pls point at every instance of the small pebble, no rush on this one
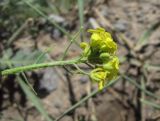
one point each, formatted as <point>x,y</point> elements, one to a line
<point>49,80</point>
<point>84,79</point>
<point>121,25</point>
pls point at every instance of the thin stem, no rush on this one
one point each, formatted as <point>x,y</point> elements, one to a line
<point>71,42</point>
<point>46,17</point>
<point>80,70</point>
<point>153,104</point>
<point>138,86</point>
<point>17,32</point>
<point>143,107</point>
<point>41,65</point>
<point>81,18</point>
<point>41,56</point>
<point>84,99</point>
<point>29,93</point>
<point>27,82</point>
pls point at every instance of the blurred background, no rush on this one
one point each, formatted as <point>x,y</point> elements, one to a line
<point>36,31</point>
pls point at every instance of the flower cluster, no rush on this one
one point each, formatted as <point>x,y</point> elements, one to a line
<point>101,52</point>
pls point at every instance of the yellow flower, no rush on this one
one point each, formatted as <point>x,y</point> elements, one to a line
<point>102,41</point>
<point>86,49</point>
<point>99,75</point>
<point>109,46</point>
<point>112,68</point>
<point>101,52</point>
<point>109,71</point>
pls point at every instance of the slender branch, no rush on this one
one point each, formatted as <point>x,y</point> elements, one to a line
<point>84,99</point>
<point>46,17</point>
<point>139,87</point>
<point>41,65</point>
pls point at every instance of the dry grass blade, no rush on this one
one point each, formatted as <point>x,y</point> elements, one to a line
<point>18,32</point>
<point>152,67</point>
<point>36,102</point>
<point>139,87</point>
<point>150,103</point>
<point>30,94</point>
<point>143,39</point>
<point>46,17</point>
<point>81,7</point>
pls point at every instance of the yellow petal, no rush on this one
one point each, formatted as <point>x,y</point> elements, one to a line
<point>96,30</point>
<point>101,85</point>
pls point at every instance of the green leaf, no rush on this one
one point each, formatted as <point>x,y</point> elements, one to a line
<point>29,92</point>
<point>34,99</point>
<point>23,57</point>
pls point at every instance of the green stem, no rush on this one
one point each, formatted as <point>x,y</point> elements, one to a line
<point>17,32</point>
<point>45,16</point>
<point>139,87</point>
<point>41,65</point>
<point>150,103</point>
<point>84,99</point>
